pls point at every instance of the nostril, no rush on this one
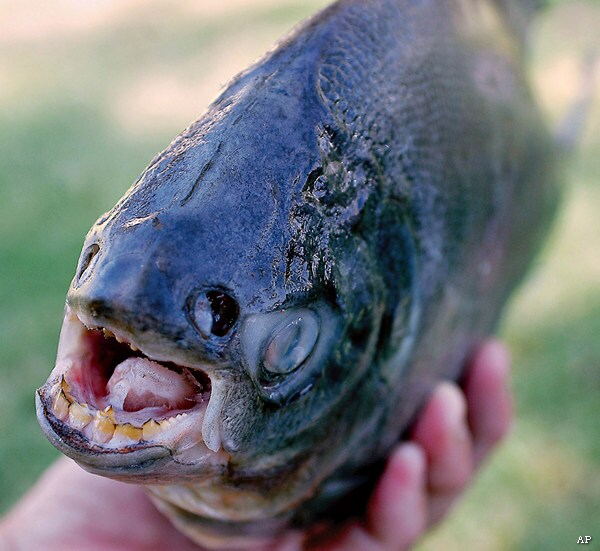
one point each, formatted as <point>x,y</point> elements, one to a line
<point>86,260</point>
<point>96,308</point>
<point>214,312</point>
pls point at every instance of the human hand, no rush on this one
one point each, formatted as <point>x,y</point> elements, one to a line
<point>70,508</point>
<point>424,476</point>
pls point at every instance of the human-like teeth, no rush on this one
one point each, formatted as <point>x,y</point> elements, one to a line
<point>125,435</point>
<point>79,416</point>
<point>102,428</point>
<point>110,413</point>
<point>60,406</point>
<point>150,429</point>
<point>107,333</point>
<point>65,386</point>
<point>55,389</point>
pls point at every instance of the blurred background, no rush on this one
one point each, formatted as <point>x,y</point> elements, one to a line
<point>90,90</point>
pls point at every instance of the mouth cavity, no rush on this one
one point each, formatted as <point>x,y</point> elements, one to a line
<point>118,398</point>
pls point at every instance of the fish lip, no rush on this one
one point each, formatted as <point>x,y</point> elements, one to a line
<point>145,458</point>
<point>148,463</point>
<point>93,457</point>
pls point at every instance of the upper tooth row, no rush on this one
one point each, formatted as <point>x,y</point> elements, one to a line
<point>109,334</point>
<point>101,426</point>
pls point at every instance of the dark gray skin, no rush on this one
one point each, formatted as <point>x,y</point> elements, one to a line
<point>385,168</point>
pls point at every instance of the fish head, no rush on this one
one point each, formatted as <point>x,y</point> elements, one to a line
<point>220,331</point>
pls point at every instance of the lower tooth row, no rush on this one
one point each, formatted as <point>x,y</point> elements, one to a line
<point>100,425</point>
<point>61,406</point>
<point>79,416</point>
<point>102,428</point>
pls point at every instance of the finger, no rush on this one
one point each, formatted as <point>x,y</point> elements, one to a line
<point>443,433</point>
<point>397,512</point>
<point>488,397</point>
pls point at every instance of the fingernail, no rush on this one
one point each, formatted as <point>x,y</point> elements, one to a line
<point>453,405</point>
<point>410,457</point>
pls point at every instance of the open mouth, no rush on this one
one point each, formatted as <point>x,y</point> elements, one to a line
<point>107,395</point>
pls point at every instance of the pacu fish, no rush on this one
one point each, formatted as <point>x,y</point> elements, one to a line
<point>255,324</point>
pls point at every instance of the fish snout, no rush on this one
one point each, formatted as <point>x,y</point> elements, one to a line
<point>133,294</point>
<point>122,290</point>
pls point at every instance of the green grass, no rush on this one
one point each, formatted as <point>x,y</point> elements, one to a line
<point>82,113</point>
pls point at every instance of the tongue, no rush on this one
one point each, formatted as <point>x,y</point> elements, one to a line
<point>139,383</point>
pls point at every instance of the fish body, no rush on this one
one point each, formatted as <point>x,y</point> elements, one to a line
<point>257,321</point>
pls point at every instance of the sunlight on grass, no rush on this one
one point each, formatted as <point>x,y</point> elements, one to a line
<point>533,476</point>
<point>567,275</point>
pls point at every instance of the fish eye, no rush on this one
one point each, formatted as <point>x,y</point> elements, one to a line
<point>291,345</point>
<point>215,312</point>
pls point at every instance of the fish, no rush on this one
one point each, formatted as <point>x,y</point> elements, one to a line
<point>258,320</point>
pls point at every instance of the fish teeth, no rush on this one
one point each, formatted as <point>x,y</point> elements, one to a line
<point>60,406</point>
<point>125,435</point>
<point>167,423</point>
<point>55,389</point>
<point>150,429</point>
<point>64,385</point>
<point>108,334</point>
<point>103,428</point>
<point>79,416</point>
